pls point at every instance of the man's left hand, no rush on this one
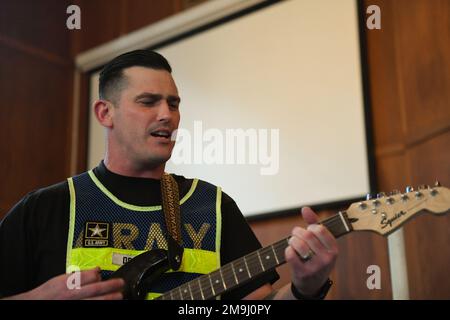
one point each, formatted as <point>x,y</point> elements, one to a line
<point>311,255</point>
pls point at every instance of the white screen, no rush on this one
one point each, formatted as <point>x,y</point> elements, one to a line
<point>292,67</point>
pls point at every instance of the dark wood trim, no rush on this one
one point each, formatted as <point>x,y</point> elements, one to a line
<point>400,148</point>
<point>83,124</point>
<point>431,132</point>
<point>124,17</point>
<point>390,150</point>
<point>36,52</point>
<point>365,78</point>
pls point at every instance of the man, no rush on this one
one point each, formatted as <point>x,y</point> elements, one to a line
<point>106,216</point>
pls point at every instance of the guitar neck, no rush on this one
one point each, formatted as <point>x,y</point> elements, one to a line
<point>248,267</point>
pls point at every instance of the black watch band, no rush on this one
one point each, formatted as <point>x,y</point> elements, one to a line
<point>319,296</point>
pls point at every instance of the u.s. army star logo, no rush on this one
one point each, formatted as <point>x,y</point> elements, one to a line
<point>96,234</point>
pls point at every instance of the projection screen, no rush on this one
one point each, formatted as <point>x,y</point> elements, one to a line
<point>272,107</point>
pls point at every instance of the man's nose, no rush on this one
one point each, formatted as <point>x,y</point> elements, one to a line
<point>164,112</point>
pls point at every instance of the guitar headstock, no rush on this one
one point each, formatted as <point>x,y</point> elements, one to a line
<point>386,213</point>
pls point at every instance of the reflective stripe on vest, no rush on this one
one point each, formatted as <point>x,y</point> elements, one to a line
<point>91,202</point>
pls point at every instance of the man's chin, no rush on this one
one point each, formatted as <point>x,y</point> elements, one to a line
<point>157,160</point>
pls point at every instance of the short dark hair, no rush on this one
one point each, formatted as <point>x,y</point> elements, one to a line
<point>112,80</point>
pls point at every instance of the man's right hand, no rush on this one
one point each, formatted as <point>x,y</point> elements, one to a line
<point>91,287</point>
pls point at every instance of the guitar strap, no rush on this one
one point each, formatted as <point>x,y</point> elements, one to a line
<point>171,208</point>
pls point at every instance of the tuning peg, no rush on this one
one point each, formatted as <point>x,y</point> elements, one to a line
<point>390,200</point>
<point>394,192</point>
<point>404,197</point>
<point>437,184</point>
<point>381,195</point>
<point>423,187</point>
<point>418,194</point>
<point>362,205</point>
<point>409,189</point>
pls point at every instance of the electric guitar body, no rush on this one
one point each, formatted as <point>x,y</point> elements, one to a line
<point>139,275</point>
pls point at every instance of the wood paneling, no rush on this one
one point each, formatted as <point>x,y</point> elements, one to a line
<point>422,37</point>
<point>83,128</point>
<point>427,237</point>
<point>105,20</point>
<point>35,86</point>
<point>34,125</point>
<point>388,128</point>
<point>423,59</point>
<point>141,13</point>
<point>101,21</point>
<point>431,160</point>
<point>358,251</point>
<point>39,24</point>
<point>409,63</point>
<point>392,172</point>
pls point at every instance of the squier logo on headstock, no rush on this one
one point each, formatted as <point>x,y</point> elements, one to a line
<point>387,213</point>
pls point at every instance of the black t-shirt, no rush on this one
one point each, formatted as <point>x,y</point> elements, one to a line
<point>33,235</point>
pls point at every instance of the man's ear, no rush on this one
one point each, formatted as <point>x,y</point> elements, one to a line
<point>104,111</point>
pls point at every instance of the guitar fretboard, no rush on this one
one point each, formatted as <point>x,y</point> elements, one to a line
<point>248,267</point>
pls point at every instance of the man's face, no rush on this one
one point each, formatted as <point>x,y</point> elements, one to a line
<point>145,116</point>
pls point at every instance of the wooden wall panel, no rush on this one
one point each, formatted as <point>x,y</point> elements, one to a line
<point>409,64</point>
<point>422,36</point>
<point>427,237</point>
<point>39,24</point>
<point>423,59</point>
<point>358,251</point>
<point>101,21</point>
<point>35,86</point>
<point>388,128</point>
<point>392,172</point>
<point>141,13</point>
<point>34,124</point>
<point>431,160</point>
<point>105,20</point>
<point>84,114</point>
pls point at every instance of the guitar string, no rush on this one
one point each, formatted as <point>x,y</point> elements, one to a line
<point>228,276</point>
<point>202,286</point>
<point>227,270</point>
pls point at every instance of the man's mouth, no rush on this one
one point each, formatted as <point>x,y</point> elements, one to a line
<point>162,133</point>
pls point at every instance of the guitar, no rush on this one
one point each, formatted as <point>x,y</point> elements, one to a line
<point>382,215</point>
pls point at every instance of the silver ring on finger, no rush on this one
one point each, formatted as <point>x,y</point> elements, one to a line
<point>307,256</point>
